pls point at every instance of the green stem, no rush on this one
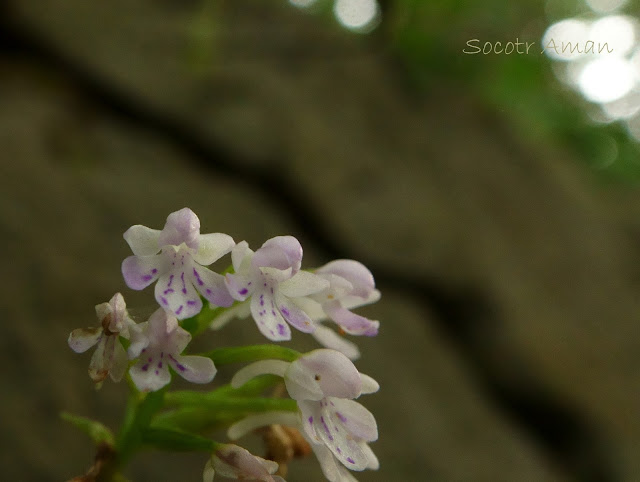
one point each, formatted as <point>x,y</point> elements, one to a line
<point>137,418</point>
<point>239,404</point>
<point>223,356</point>
<point>177,440</point>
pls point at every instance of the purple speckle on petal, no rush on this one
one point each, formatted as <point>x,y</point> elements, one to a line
<point>310,420</point>
<point>271,290</point>
<point>170,281</point>
<point>178,365</point>
<point>195,273</point>
<point>150,360</point>
<point>243,291</point>
<point>159,364</point>
<point>184,286</point>
<point>145,368</point>
<point>179,310</point>
<point>191,302</point>
<point>273,312</point>
<point>281,329</point>
<point>154,271</point>
<point>167,291</point>
<point>164,300</point>
<point>326,428</point>
<point>350,460</point>
<point>208,291</point>
<point>342,418</point>
<point>339,450</point>
<point>146,277</point>
<point>284,311</point>
<point>157,372</point>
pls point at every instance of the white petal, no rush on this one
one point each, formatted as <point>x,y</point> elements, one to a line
<point>252,422</point>
<point>282,252</point>
<point>350,322</point>
<point>103,310</point>
<point>359,421</point>
<point>330,339</point>
<point>182,226</point>
<point>374,463</point>
<point>302,384</point>
<point>331,468</point>
<point>118,313</point>
<point>175,292</point>
<point>354,272</point>
<point>309,413</point>
<point>239,286</point>
<point>273,367</point>
<point>81,339</point>
<point>303,283</point>
<point>238,463</point>
<point>350,302</point>
<point>294,315</point>
<point>275,274</point>
<point>369,385</point>
<point>151,378</point>
<point>159,326</point>
<point>213,247</point>
<point>120,362</point>
<point>196,369</point>
<point>142,240</point>
<point>241,256</point>
<point>310,307</point>
<point>139,339</point>
<point>241,311</point>
<point>345,448</point>
<point>102,359</point>
<point>208,472</point>
<point>331,371</point>
<point>211,285</point>
<point>140,271</point>
<point>266,315</point>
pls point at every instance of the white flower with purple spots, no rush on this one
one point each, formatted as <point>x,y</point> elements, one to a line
<point>236,462</point>
<point>109,357</point>
<point>324,382</point>
<point>350,285</point>
<point>158,344</point>
<point>176,257</point>
<point>271,277</point>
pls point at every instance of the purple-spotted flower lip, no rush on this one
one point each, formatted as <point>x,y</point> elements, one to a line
<point>158,344</point>
<point>351,285</point>
<point>270,277</point>
<point>109,358</point>
<point>176,257</point>
<point>323,382</point>
<point>236,462</point>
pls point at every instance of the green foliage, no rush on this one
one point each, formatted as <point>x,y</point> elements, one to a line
<point>95,430</point>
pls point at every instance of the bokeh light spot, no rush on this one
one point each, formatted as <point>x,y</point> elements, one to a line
<point>560,39</point>
<point>605,6</point>
<point>606,79</point>
<point>356,14</point>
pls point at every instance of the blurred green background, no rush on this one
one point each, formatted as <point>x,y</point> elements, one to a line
<point>495,197</point>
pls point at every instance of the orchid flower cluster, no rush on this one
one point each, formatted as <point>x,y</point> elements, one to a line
<point>312,404</point>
